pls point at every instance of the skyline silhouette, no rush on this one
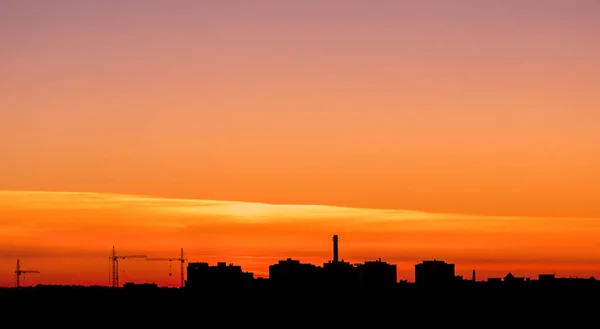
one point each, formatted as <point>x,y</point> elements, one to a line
<point>295,272</point>
<point>312,163</point>
<point>73,229</point>
<point>367,292</point>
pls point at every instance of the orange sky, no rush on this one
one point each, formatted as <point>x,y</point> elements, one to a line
<point>482,108</point>
<point>68,237</point>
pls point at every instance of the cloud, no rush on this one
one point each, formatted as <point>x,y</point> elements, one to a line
<point>233,210</point>
<point>35,212</point>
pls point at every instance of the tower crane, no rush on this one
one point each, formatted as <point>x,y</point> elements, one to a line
<point>180,259</point>
<point>19,272</point>
<point>115,265</point>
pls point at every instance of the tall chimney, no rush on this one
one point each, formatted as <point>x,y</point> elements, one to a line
<point>473,275</point>
<point>335,248</point>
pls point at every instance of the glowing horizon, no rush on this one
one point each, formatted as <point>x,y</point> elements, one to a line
<point>74,228</point>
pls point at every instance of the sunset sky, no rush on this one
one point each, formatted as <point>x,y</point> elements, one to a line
<point>252,131</point>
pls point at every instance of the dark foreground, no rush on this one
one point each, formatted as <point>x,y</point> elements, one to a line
<point>271,306</point>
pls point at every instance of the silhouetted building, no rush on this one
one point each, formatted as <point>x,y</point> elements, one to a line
<point>434,272</point>
<point>546,277</point>
<point>378,273</point>
<point>140,286</point>
<point>293,272</point>
<point>513,279</point>
<point>339,273</point>
<point>221,275</point>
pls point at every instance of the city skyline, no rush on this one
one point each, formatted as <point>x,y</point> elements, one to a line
<point>294,272</point>
<point>73,230</point>
<point>250,131</point>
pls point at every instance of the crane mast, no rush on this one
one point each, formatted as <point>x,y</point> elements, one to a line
<point>115,265</point>
<point>19,272</point>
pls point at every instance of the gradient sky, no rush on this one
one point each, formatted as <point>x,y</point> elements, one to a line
<point>487,109</point>
<point>68,236</point>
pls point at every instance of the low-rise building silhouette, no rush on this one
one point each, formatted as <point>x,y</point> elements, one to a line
<point>293,272</point>
<point>221,275</point>
<point>510,278</point>
<point>434,272</point>
<point>140,286</point>
<point>546,277</point>
<point>378,273</point>
<point>340,273</point>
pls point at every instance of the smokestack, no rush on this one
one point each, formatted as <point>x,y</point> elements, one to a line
<point>473,275</point>
<point>335,248</point>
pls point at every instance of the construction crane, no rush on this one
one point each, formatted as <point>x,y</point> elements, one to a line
<point>115,265</point>
<point>19,272</point>
<point>180,259</point>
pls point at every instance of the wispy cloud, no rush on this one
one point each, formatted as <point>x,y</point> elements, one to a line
<point>234,210</point>
<point>80,210</point>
